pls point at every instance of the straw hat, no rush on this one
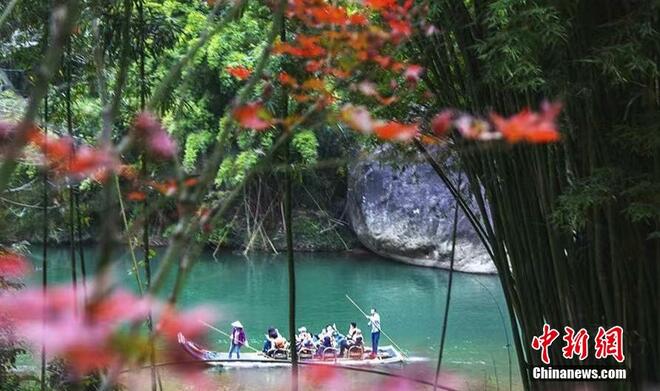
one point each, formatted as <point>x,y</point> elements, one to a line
<point>237,324</point>
<point>302,329</point>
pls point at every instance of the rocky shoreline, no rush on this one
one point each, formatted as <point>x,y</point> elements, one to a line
<point>402,210</point>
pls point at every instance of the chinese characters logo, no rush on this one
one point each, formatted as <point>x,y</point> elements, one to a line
<point>607,343</point>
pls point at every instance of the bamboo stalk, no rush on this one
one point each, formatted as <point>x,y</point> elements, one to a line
<point>44,238</point>
<point>131,245</point>
<point>448,301</point>
<point>288,224</point>
<point>69,127</point>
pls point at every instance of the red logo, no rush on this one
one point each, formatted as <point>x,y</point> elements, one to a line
<point>543,342</point>
<point>608,343</point>
<point>576,343</point>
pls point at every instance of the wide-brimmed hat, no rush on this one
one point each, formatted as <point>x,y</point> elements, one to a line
<point>302,329</point>
<point>237,324</point>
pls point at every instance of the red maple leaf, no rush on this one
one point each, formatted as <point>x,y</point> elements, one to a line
<point>239,72</point>
<point>396,131</point>
<point>529,126</point>
<point>252,116</point>
<point>441,123</point>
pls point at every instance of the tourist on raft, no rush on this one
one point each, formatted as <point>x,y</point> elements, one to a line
<point>326,339</point>
<point>237,339</point>
<point>353,338</point>
<point>338,337</point>
<point>274,341</point>
<point>304,339</point>
<point>374,322</point>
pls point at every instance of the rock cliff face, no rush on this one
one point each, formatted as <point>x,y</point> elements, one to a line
<point>400,209</point>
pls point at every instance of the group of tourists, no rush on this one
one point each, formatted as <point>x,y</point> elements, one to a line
<point>329,339</point>
<point>274,342</point>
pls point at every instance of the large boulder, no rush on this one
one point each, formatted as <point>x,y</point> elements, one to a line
<point>400,209</point>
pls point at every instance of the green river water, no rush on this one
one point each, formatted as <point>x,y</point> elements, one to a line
<point>410,301</point>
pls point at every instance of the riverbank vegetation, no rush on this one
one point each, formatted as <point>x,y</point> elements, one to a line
<point>574,228</point>
<point>190,124</point>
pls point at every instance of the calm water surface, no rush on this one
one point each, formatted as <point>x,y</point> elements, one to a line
<point>410,300</point>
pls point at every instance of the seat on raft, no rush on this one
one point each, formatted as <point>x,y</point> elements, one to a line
<point>356,352</point>
<point>330,353</point>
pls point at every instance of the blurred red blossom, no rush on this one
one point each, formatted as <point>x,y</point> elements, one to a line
<point>150,132</point>
<point>239,72</point>
<point>13,266</point>
<point>162,145</point>
<point>396,131</point>
<point>367,88</point>
<point>323,376</point>
<point>167,188</point>
<point>529,126</point>
<point>65,158</point>
<point>287,80</point>
<point>381,4</point>
<point>136,196</point>
<point>56,150</point>
<point>358,118</point>
<point>189,324</point>
<point>121,306</point>
<point>252,116</point>
<point>304,46</point>
<point>88,161</point>
<point>99,332</point>
<point>472,128</point>
<point>400,28</point>
<point>441,122</point>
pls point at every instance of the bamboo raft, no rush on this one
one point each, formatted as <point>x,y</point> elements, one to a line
<point>386,355</point>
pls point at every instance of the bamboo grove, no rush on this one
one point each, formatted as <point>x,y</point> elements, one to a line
<point>573,227</point>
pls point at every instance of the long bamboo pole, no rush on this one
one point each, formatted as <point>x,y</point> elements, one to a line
<point>379,329</point>
<point>131,246</point>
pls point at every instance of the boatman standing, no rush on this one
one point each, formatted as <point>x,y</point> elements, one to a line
<point>237,339</point>
<point>374,322</point>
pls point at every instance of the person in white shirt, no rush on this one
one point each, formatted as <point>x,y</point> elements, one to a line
<point>374,322</point>
<point>353,338</point>
<point>304,339</point>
